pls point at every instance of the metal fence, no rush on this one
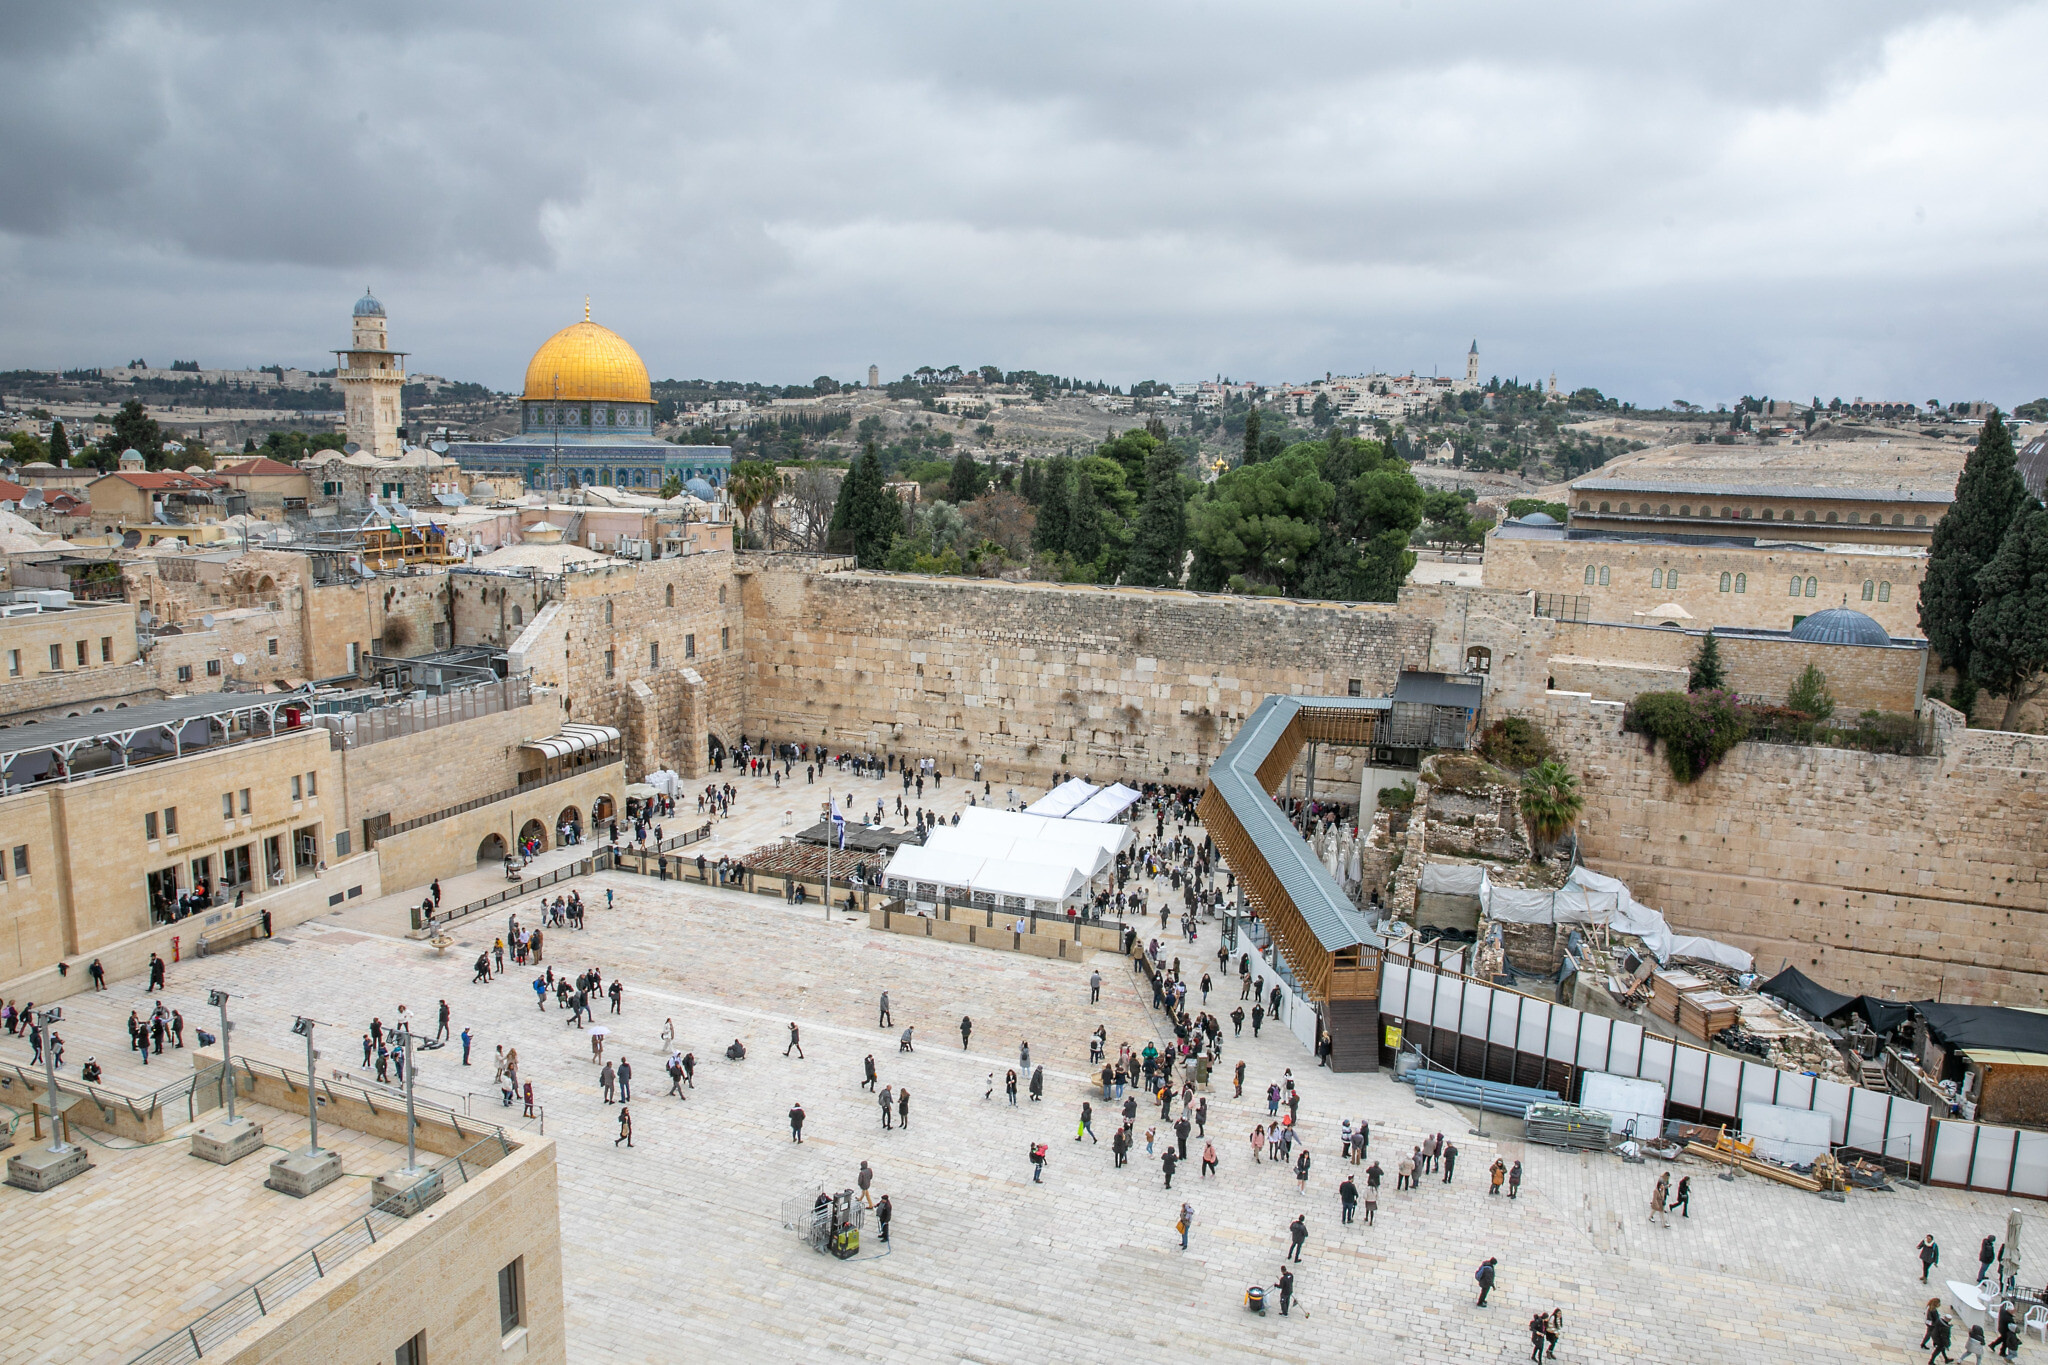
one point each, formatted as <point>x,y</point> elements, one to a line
<point>601,860</point>
<point>259,1299</point>
<point>193,1089</point>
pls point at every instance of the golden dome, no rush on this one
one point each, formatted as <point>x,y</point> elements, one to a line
<point>585,362</point>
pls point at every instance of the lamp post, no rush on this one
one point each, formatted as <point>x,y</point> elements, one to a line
<point>48,1019</point>
<point>412,1164</point>
<point>219,999</point>
<point>304,1028</point>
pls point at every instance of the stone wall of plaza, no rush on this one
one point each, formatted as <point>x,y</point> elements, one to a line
<point>436,1276</point>
<point>652,647</point>
<point>1616,662</point>
<point>1915,877</point>
<point>1638,579</point>
<point>88,853</point>
<point>1128,683</point>
<point>395,614</point>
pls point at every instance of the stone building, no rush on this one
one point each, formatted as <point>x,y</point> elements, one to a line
<point>1871,516</point>
<point>372,381</point>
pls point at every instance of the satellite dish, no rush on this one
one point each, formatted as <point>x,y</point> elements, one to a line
<point>351,448</point>
<point>439,447</point>
<point>241,659</point>
<point>32,498</point>
<point>206,621</point>
<point>144,617</point>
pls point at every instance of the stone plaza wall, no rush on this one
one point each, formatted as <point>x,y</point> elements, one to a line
<point>1615,662</point>
<point>1921,878</point>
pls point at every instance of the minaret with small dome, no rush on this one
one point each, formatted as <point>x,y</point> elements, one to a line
<point>372,381</point>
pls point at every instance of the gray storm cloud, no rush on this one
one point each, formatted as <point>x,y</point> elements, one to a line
<point>1685,200</point>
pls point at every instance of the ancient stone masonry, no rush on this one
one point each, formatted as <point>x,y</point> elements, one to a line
<point>1031,679</point>
<point>1920,877</point>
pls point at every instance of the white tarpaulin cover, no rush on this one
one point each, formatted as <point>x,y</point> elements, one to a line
<point>1085,859</point>
<point>1106,804</point>
<point>1062,800</point>
<point>1587,897</point>
<point>1453,879</point>
<point>1110,838</point>
<point>1047,885</point>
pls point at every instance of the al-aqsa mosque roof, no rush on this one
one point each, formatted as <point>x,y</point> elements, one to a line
<point>587,362</point>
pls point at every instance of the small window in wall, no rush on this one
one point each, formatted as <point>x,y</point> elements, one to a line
<point>213,668</point>
<point>689,646</point>
<point>414,1352</point>
<point>1624,508</point>
<point>670,595</point>
<point>1664,510</point>
<point>106,649</point>
<point>227,805</point>
<point>725,637</point>
<point>518,615</point>
<point>1603,575</point>
<point>1852,518</point>
<point>1606,507</point>
<point>1898,518</point>
<point>1727,582</point>
<point>1728,512</point>
<point>1812,587</point>
<point>1585,504</point>
<point>1670,579</point>
<point>298,787</point>
<point>608,663</point>
<point>149,830</point>
<point>1742,582</point>
<point>13,663</point>
<point>245,800</point>
<point>1656,578</point>
<point>21,860</point>
<point>607,611</point>
<point>1685,509</point>
<point>1590,572</point>
<point>1834,516</point>
<point>1809,514</point>
<point>1884,592</point>
<point>1796,581</point>
<point>270,646</point>
<point>79,649</point>
<point>721,594</point>
<point>184,673</point>
<point>1479,659</point>
<point>654,654</point>
<point>1869,590</point>
<point>170,819</point>
<point>1920,520</point>
<point>512,1297</point>
<point>312,784</point>
<point>1358,687</point>
<point>341,844</point>
<point>56,656</point>
<point>1768,514</point>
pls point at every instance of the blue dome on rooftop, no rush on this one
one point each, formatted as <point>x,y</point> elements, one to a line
<point>697,488</point>
<point>1538,519</point>
<point>368,307</point>
<point>1841,626</point>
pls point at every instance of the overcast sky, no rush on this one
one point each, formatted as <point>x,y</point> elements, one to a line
<point>1673,200</point>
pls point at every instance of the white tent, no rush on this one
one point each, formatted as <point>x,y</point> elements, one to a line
<point>930,875</point>
<point>1086,859</point>
<point>1106,804</point>
<point>1111,838</point>
<point>1587,897</point>
<point>1062,800</point>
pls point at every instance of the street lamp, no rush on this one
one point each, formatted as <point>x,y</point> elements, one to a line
<point>219,1000</point>
<point>299,1174</point>
<point>412,1164</point>
<point>304,1028</point>
<point>234,1138</point>
<point>47,1019</point>
<point>46,1168</point>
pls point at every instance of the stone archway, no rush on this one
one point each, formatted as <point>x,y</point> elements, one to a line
<point>715,749</point>
<point>601,809</point>
<point>492,849</point>
<point>536,832</point>
<point>572,818</point>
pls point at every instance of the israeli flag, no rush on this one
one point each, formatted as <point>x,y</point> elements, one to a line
<point>838,822</point>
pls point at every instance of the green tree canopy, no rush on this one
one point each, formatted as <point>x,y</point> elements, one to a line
<point>134,429</point>
<point>1707,674</point>
<point>1055,506</point>
<point>1253,527</point>
<point>2009,632</point>
<point>1159,540</point>
<point>1965,541</point>
<point>867,517</point>
<point>1253,452</point>
<point>1364,554</point>
<point>967,481</point>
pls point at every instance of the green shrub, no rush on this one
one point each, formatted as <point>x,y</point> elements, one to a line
<point>1810,694</point>
<point>1513,742</point>
<point>1698,729</point>
<point>1397,798</point>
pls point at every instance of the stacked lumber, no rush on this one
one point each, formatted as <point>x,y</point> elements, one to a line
<point>1705,1013</point>
<point>1668,988</point>
<point>1755,1166</point>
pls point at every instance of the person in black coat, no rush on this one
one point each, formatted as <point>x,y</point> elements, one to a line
<point>1485,1275</point>
<point>1942,1334</point>
<point>1930,1255</point>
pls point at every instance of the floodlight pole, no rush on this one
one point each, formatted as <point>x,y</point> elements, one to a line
<point>304,1027</point>
<point>220,999</point>
<point>411,1150</point>
<point>49,1019</point>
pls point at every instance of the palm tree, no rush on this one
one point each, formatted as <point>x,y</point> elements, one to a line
<point>1551,802</point>
<point>748,486</point>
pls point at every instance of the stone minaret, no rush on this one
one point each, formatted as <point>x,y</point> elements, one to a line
<point>1472,364</point>
<point>372,378</point>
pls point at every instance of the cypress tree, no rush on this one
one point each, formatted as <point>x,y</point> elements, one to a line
<point>60,445</point>
<point>1084,533</point>
<point>966,482</point>
<point>1055,507</point>
<point>2009,633</point>
<point>839,535</point>
<point>1160,542</point>
<point>1251,438</point>
<point>1965,541</point>
<point>1707,673</point>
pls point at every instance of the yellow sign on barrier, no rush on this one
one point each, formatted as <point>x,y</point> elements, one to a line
<point>1394,1036</point>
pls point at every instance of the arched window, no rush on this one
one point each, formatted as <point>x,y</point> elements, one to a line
<point>1884,592</point>
<point>1742,582</point>
<point>1767,514</point>
<point>1656,578</point>
<point>518,615</point>
<point>1664,510</point>
<point>1898,518</point>
<point>1747,513</point>
<point>721,594</point>
<point>1796,581</point>
<point>1832,517</point>
<point>1603,575</point>
<point>1605,507</point>
<point>1670,579</point>
<point>1685,509</point>
<point>1728,512</point>
<point>1852,518</point>
<point>1590,571</point>
<point>1920,520</point>
<point>1869,590</point>
<point>1813,587</point>
<point>1585,504</point>
<point>1479,659</point>
<point>1727,582</point>
<point>1809,514</point>
<point>671,595</point>
<point>1624,508</point>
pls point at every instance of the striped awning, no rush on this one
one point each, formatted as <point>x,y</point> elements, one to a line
<point>573,739</point>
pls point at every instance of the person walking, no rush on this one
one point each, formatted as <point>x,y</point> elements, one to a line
<point>869,1065</point>
<point>966,1028</point>
<point>1942,1332</point>
<point>864,1179</point>
<point>1301,1164</point>
<point>1024,1055</point>
<point>1286,1287</point>
<point>1515,1180</point>
<point>1538,1326</point>
<point>1297,1231</point>
<point>1180,1135</point>
<point>528,1090</point>
<point>796,1123</point>
<point>1037,1084</point>
<point>1552,1328</point>
<point>903,1044</point>
<point>884,1211</point>
<point>1166,1163</point>
<point>1930,1256</point>
<point>903,1107</point>
<point>1659,1197</point>
<point>625,1127</point>
<point>1404,1174</point>
<point>1987,1252</point>
<point>467,1039</point>
<point>1372,1194</point>
<point>1683,1203</point>
<point>1485,1276</point>
<point>1087,1123</point>
<point>625,1080</point>
<point>1187,1220</point>
<point>609,1080</point>
<point>1450,1159</point>
<point>888,1107</point>
<point>1037,1163</point>
<point>1933,1316</point>
<point>795,1042</point>
<point>1973,1343</point>
<point>1094,987</point>
<point>1208,1159</point>
<point>883,1020</point>
<point>441,1033</point>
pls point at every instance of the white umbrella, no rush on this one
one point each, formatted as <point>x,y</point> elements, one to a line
<point>598,1031</point>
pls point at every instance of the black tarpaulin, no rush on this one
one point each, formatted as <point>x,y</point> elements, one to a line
<point>1986,1026</point>
<point>1794,987</point>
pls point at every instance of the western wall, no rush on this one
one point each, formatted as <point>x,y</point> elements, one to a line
<point>1923,876</point>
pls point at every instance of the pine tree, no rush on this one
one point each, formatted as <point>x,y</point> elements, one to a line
<point>60,445</point>
<point>1251,438</point>
<point>1707,673</point>
<point>1084,532</point>
<point>1160,542</point>
<point>1966,540</point>
<point>2009,633</point>
<point>966,482</point>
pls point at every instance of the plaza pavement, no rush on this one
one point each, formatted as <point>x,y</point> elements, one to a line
<point>676,1249</point>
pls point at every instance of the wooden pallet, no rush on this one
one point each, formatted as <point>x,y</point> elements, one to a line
<point>1755,1167</point>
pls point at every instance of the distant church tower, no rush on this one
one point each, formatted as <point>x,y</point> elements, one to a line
<point>1472,364</point>
<point>874,376</point>
<point>371,379</point>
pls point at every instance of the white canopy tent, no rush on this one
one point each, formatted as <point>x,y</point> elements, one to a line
<point>1062,800</point>
<point>1086,859</point>
<point>929,875</point>
<point>1107,804</point>
<point>1111,838</point>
